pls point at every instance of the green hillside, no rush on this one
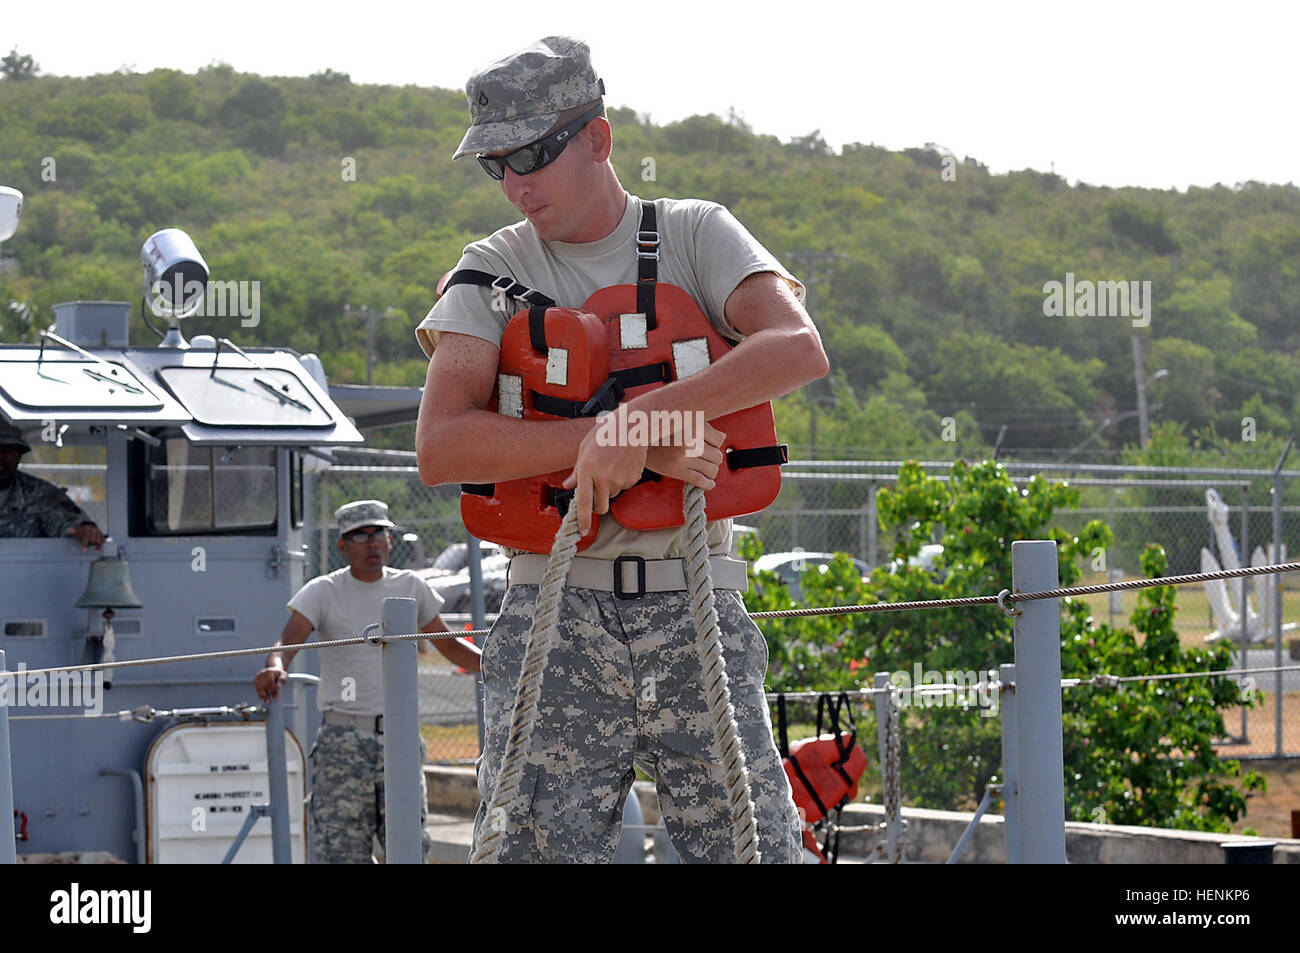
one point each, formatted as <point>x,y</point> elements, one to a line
<point>933,308</point>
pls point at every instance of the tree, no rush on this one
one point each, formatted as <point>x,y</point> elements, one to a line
<point>1188,393</point>
<point>1140,223</point>
<point>18,66</point>
<point>1138,755</point>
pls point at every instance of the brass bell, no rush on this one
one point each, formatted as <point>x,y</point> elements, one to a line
<point>109,586</point>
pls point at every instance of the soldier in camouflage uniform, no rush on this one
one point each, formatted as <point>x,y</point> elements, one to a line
<point>32,507</point>
<point>347,760</point>
<point>623,684</point>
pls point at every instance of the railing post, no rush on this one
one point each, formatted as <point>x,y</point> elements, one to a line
<point>885,710</point>
<point>1275,581</point>
<point>1245,592</point>
<point>872,523</point>
<point>1038,691</point>
<point>1275,596</point>
<point>1010,763</point>
<point>401,735</point>
<point>137,797</point>
<point>277,773</point>
<point>8,850</point>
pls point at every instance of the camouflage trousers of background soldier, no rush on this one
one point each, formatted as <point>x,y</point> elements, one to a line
<point>347,796</point>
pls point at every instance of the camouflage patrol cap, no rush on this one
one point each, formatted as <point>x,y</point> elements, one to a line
<point>362,513</point>
<point>518,99</point>
<point>11,436</point>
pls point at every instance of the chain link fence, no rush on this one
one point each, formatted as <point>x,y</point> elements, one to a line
<point>828,507</point>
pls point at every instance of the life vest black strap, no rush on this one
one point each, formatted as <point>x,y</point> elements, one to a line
<point>556,406</point>
<point>758,457</point>
<point>479,489</point>
<point>607,397</point>
<point>812,791</point>
<point>645,374</point>
<point>537,329</point>
<point>512,288</point>
<point>783,719</point>
<point>837,706</point>
<point>560,499</point>
<point>647,264</point>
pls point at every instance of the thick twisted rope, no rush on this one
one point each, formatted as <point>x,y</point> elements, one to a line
<point>708,645</point>
<point>966,601</point>
<point>1183,580</point>
<point>541,637</point>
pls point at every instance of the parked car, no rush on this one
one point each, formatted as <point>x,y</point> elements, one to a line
<point>449,577</point>
<point>923,560</point>
<point>791,566</point>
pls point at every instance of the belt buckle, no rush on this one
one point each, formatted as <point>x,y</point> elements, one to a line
<point>619,591</point>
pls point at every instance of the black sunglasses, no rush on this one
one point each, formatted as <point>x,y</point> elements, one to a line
<point>535,155</point>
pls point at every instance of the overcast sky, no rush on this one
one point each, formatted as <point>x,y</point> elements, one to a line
<point>1110,93</point>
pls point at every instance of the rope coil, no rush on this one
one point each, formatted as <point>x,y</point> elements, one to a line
<point>708,643</point>
<point>541,637</point>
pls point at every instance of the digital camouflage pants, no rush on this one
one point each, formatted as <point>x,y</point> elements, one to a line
<point>623,687</point>
<point>347,795</point>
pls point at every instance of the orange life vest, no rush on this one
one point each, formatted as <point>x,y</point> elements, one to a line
<point>559,363</point>
<point>823,771</point>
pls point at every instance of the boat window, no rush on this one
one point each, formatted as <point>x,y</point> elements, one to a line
<point>210,489</point>
<point>247,396</point>
<point>57,383</point>
<point>77,461</point>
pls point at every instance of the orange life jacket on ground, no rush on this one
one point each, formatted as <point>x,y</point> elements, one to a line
<point>823,771</point>
<point>559,363</point>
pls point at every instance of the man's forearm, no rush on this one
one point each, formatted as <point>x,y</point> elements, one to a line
<point>458,441</point>
<point>483,446</point>
<point>768,364</point>
<point>285,657</point>
<point>459,652</point>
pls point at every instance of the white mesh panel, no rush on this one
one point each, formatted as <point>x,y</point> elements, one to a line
<point>510,395</point>
<point>690,356</point>
<point>557,366</point>
<point>632,331</point>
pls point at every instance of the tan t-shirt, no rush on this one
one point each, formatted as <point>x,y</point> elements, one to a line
<point>702,249</point>
<point>339,606</point>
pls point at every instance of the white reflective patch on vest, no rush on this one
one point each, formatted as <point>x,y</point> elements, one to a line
<point>557,366</point>
<point>632,331</point>
<point>690,356</point>
<point>510,395</point>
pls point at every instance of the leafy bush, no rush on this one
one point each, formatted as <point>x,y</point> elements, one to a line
<point>1140,754</point>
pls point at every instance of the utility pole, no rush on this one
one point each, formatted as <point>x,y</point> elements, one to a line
<point>1140,375</point>
<point>810,260</point>
<point>371,316</point>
